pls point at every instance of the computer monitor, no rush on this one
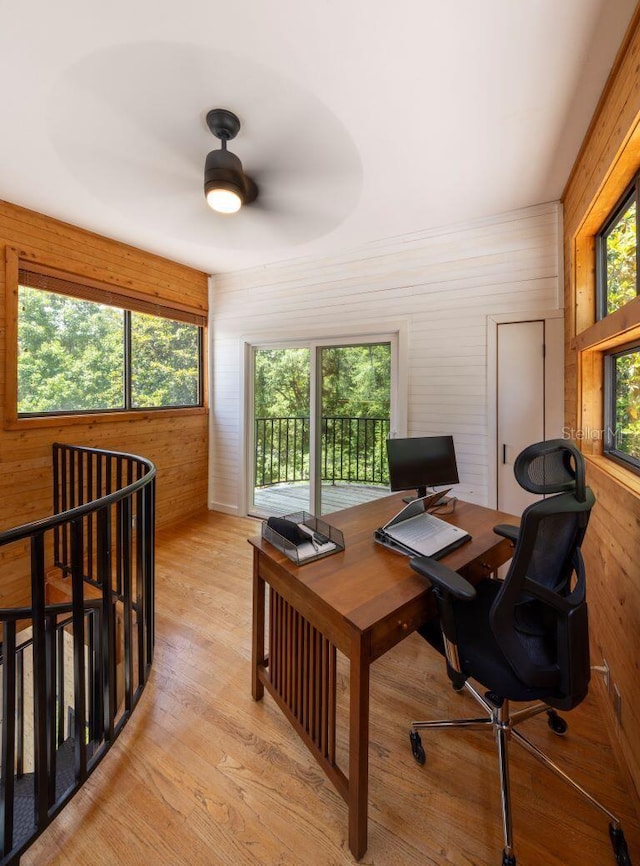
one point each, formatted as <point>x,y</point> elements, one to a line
<point>421,462</point>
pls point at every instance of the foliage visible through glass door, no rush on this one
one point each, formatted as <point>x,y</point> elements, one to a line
<point>281,408</point>
<point>352,421</point>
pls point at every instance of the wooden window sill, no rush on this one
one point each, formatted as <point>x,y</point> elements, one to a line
<point>615,329</point>
<point>91,418</point>
<point>618,473</point>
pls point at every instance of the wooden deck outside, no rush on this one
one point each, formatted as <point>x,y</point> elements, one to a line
<point>203,776</point>
<point>287,498</point>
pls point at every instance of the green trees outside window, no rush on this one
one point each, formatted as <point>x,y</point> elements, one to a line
<point>623,438</point>
<point>616,286</point>
<point>355,381</point>
<point>281,378</point>
<point>164,362</point>
<point>81,356</point>
<point>356,411</point>
<point>621,272</point>
<point>281,409</point>
<point>70,354</point>
<point>354,386</point>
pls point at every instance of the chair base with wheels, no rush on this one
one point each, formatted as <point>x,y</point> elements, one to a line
<point>502,722</point>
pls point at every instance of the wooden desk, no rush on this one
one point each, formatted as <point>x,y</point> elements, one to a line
<point>361,601</point>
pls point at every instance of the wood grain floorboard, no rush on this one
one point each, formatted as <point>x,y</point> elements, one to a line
<point>203,776</point>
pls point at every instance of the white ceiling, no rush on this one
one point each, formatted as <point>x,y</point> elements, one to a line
<point>362,119</point>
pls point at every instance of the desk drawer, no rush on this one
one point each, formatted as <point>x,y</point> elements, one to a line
<point>486,564</point>
<point>391,631</point>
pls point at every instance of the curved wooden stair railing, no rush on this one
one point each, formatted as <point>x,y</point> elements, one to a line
<point>73,671</point>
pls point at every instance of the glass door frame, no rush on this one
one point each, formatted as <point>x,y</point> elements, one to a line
<point>398,401</point>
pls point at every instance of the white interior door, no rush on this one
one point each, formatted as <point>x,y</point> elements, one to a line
<point>520,404</point>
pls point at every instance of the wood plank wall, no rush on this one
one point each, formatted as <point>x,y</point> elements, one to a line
<point>177,441</point>
<point>441,285</point>
<point>609,158</point>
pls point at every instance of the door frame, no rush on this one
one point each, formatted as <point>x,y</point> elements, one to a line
<point>553,387</point>
<point>394,332</point>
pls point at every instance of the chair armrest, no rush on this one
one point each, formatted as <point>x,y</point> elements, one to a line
<point>443,578</point>
<point>507,531</point>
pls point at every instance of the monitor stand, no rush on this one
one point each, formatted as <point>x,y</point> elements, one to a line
<point>424,491</point>
<point>421,491</point>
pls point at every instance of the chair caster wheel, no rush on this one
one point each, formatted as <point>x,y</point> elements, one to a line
<point>557,723</point>
<point>619,844</point>
<point>508,859</point>
<point>417,749</point>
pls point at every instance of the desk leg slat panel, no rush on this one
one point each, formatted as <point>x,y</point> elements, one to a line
<point>302,670</point>
<point>283,638</point>
<point>324,728</point>
<point>272,636</point>
<point>331,704</point>
<point>311,675</point>
<point>291,662</point>
<point>303,716</point>
<point>317,679</point>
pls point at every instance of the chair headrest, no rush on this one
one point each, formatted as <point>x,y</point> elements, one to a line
<point>555,466</point>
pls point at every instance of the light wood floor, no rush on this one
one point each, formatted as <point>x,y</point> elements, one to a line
<point>202,775</point>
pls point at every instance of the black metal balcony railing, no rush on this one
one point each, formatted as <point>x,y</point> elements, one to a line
<point>281,450</point>
<point>352,449</point>
<point>73,672</point>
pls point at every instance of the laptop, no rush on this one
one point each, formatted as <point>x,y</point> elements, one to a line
<point>415,532</point>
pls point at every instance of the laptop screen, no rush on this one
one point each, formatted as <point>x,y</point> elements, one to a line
<point>415,507</point>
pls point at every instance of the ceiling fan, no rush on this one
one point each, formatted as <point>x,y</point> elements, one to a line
<point>226,186</point>
<point>150,151</point>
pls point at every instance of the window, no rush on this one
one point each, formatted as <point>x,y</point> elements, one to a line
<point>84,348</point>
<point>617,281</point>
<point>622,405</point>
<point>165,358</point>
<point>610,345</point>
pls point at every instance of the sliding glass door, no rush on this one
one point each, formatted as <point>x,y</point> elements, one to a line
<point>321,414</point>
<point>354,421</point>
<point>281,446</point>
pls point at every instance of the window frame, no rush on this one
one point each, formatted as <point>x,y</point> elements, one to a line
<point>630,195</point>
<point>97,291</point>
<point>610,383</point>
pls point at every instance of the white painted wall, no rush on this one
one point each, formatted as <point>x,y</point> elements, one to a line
<point>443,283</point>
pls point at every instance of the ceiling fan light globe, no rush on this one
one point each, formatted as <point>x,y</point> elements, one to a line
<point>223,200</point>
<point>224,183</point>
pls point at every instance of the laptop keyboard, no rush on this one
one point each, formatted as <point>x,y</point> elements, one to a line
<point>420,529</point>
<point>426,535</point>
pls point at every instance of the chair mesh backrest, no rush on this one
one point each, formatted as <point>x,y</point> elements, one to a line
<point>555,466</point>
<point>550,562</point>
<point>544,636</point>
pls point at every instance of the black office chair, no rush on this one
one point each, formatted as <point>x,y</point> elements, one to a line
<point>525,638</point>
